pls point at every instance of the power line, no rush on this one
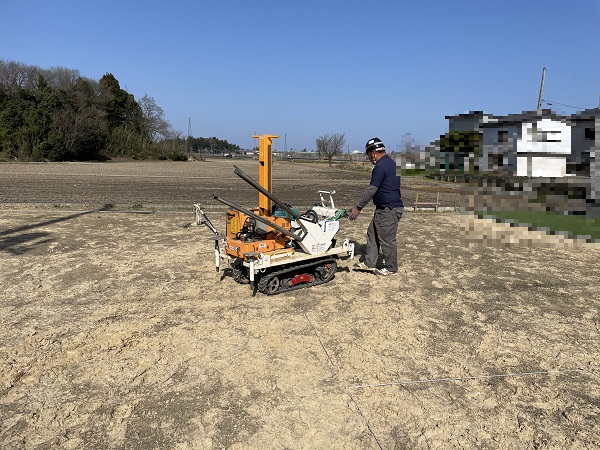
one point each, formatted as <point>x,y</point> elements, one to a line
<point>552,102</point>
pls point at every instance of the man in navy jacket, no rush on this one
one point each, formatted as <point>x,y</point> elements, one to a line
<point>384,190</point>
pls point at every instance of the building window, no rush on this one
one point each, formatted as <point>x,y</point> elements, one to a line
<point>502,136</point>
<point>548,136</point>
<point>590,134</point>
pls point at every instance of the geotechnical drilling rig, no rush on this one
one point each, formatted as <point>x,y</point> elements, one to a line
<point>274,248</point>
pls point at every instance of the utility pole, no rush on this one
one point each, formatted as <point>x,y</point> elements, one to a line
<point>189,136</point>
<point>539,105</point>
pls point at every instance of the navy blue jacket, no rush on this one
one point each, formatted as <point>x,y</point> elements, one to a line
<point>388,184</point>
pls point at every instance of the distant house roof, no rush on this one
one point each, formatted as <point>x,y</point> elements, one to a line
<point>470,114</point>
<point>586,115</point>
<point>525,116</point>
<point>470,121</point>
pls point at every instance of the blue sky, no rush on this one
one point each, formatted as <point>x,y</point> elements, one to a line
<point>306,68</point>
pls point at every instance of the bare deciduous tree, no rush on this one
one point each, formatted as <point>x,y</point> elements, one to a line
<point>155,126</point>
<point>331,145</point>
<point>15,76</point>
<point>61,77</point>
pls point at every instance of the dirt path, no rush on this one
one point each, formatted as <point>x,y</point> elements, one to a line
<point>116,332</point>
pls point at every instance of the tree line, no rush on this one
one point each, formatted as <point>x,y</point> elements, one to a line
<point>58,115</point>
<point>212,145</point>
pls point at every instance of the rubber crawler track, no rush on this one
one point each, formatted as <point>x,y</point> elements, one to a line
<point>265,284</point>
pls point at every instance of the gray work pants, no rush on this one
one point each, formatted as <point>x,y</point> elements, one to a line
<point>381,234</point>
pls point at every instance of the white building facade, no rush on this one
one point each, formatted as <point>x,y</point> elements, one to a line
<point>532,144</point>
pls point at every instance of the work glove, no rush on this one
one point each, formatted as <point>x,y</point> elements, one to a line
<point>354,213</point>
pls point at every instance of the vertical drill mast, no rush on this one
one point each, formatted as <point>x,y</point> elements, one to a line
<point>264,171</point>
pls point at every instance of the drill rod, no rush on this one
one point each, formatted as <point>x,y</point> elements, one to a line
<point>244,176</point>
<point>259,218</point>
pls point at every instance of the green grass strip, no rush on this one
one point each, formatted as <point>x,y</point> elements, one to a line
<point>572,226</point>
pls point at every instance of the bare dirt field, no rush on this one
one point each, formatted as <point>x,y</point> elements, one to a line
<point>116,331</point>
<point>177,185</point>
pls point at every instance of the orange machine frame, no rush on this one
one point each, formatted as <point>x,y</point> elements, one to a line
<point>274,240</point>
<point>265,144</point>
